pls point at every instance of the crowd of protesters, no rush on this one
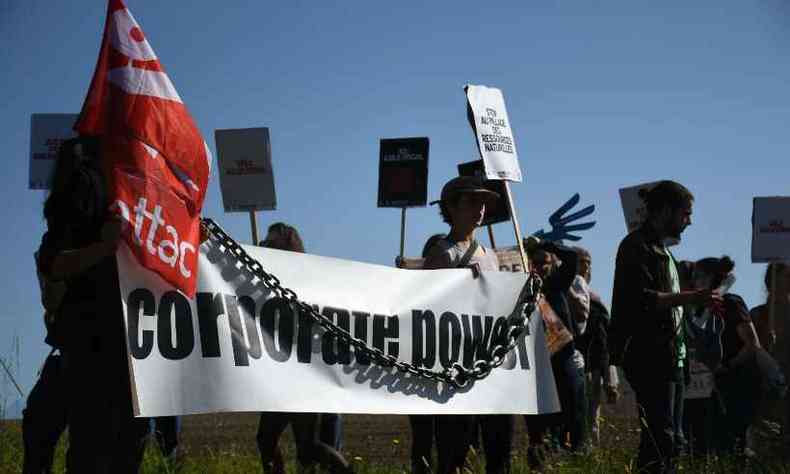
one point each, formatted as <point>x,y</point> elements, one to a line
<point>670,322</point>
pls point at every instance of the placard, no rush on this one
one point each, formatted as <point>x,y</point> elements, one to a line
<point>403,172</point>
<point>489,120</point>
<point>497,212</point>
<point>246,176</point>
<point>702,381</point>
<point>47,132</point>
<point>634,208</point>
<point>771,229</point>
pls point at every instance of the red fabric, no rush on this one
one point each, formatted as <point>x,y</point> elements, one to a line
<point>152,151</point>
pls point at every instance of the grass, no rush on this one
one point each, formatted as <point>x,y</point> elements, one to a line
<point>391,455</point>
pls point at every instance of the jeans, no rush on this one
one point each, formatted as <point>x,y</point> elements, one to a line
<point>575,415</point>
<point>332,430</point>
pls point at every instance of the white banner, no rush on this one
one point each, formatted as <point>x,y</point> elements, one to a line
<point>236,348</point>
<point>246,177</point>
<point>771,229</point>
<point>47,132</point>
<point>494,136</point>
<point>634,208</point>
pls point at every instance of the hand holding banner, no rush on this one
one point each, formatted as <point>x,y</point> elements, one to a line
<point>265,351</point>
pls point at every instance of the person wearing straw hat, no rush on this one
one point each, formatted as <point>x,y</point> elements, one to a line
<point>462,206</point>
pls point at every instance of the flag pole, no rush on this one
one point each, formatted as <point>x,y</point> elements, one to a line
<point>491,235</point>
<point>771,308</point>
<point>254,226</point>
<point>516,228</point>
<point>402,230</point>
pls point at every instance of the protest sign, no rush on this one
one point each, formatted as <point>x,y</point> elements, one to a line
<point>403,172</point>
<point>489,120</point>
<point>497,212</point>
<point>634,208</point>
<point>771,229</point>
<point>238,347</point>
<point>702,381</point>
<point>246,177</point>
<point>47,132</point>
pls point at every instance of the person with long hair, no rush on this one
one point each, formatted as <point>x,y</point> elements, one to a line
<point>310,449</point>
<point>737,381</point>
<point>78,252</point>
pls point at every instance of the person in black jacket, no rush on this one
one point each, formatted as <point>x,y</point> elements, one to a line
<point>78,250</point>
<point>556,265</point>
<point>646,332</point>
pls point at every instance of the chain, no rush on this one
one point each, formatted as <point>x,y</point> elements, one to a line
<point>457,375</point>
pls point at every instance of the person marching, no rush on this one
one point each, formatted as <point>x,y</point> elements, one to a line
<point>737,381</point>
<point>774,335</point>
<point>310,449</point>
<point>593,344</point>
<point>557,266</point>
<point>78,250</point>
<point>462,206</point>
<point>646,330</point>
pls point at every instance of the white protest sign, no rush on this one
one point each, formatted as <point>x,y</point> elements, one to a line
<point>236,347</point>
<point>488,117</point>
<point>245,169</point>
<point>634,208</point>
<point>702,381</point>
<point>771,229</point>
<point>47,132</point>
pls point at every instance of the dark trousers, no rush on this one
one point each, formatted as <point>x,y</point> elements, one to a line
<point>574,404</point>
<point>423,432</point>
<point>740,393</point>
<point>655,398</point>
<point>497,434</point>
<point>309,448</point>
<point>104,436</point>
<point>572,419</point>
<point>332,430</point>
<point>454,435</point>
<point>700,418</point>
<point>44,418</point>
<point>166,429</point>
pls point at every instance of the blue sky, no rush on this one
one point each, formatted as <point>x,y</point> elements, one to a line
<point>601,95</point>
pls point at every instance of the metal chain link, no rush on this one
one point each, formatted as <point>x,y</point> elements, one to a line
<point>457,375</point>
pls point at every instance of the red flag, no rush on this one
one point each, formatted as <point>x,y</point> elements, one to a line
<point>155,158</point>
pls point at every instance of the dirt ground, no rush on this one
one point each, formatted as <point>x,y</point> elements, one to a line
<point>379,439</point>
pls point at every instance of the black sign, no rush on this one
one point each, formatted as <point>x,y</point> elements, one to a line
<point>498,212</point>
<point>403,172</point>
